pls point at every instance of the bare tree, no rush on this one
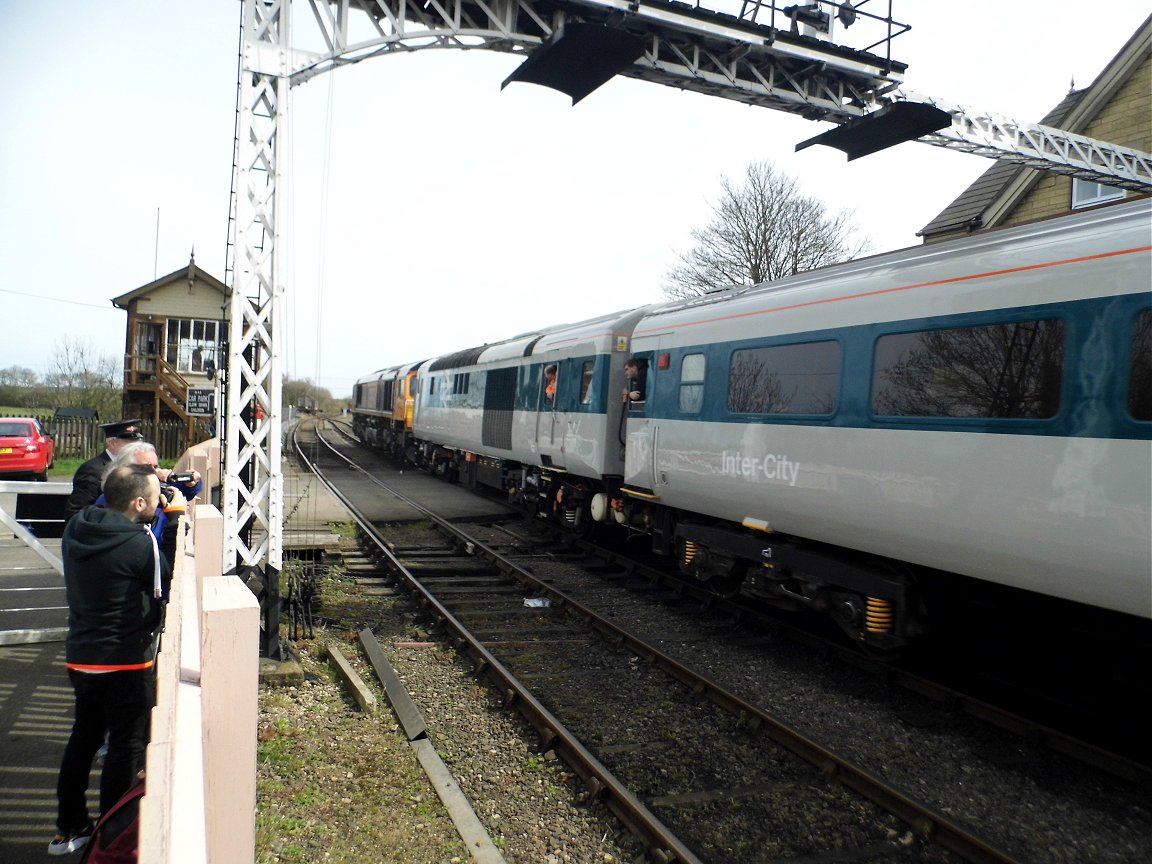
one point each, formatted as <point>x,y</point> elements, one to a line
<point>761,230</point>
<point>18,387</point>
<point>78,377</point>
<point>18,376</point>
<point>302,393</point>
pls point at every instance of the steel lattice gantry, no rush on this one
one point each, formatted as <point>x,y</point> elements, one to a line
<point>788,58</point>
<point>252,498</point>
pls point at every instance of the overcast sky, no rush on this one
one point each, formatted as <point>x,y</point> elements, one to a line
<point>431,211</point>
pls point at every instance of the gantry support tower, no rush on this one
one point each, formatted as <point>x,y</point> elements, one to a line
<point>820,60</point>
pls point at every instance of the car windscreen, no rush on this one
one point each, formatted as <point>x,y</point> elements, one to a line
<point>15,430</point>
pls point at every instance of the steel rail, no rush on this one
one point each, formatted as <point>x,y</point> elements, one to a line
<point>922,819</point>
<point>1034,733</point>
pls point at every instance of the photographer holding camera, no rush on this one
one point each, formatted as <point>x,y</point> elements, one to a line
<point>173,498</point>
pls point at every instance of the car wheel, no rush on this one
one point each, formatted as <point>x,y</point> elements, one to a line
<point>41,478</point>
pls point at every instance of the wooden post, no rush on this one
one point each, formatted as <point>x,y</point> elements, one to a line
<point>230,681</point>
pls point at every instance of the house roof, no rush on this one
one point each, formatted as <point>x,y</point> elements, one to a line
<point>81,413</point>
<point>184,274</point>
<point>995,192</point>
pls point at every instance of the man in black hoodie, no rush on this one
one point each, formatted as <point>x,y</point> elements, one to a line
<point>113,572</point>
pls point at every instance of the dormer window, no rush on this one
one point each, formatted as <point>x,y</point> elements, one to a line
<point>1086,193</point>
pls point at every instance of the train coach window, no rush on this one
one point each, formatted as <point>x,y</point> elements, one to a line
<point>785,379</point>
<point>1140,378</point>
<point>692,368</point>
<point>586,383</point>
<point>994,370</point>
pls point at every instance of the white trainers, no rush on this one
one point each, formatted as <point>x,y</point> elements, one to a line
<point>66,844</point>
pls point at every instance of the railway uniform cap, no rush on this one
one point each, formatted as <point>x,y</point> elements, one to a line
<point>126,430</point>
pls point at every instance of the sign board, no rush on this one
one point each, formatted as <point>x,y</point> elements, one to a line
<point>200,401</point>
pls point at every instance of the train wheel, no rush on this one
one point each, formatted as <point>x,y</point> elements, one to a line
<point>728,585</point>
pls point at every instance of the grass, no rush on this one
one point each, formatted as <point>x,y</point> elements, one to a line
<point>339,786</point>
<point>63,470</point>
<point>336,785</point>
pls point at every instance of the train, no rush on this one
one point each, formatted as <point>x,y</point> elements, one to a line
<point>848,441</point>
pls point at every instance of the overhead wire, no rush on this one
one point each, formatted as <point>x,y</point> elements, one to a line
<point>321,268</point>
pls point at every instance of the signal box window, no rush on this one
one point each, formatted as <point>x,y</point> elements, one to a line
<point>995,370</point>
<point>692,369</point>
<point>1140,378</point>
<point>785,379</point>
<point>192,343</point>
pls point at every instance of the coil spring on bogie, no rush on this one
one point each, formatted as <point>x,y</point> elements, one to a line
<point>690,549</point>
<point>879,615</point>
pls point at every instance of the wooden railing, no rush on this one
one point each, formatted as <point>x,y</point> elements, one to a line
<point>152,372</point>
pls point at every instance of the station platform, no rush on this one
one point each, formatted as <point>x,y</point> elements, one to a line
<point>35,695</point>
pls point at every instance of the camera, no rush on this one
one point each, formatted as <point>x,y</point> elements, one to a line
<point>182,479</point>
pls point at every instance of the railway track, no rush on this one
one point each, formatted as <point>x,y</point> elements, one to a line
<point>1091,727</point>
<point>697,771</point>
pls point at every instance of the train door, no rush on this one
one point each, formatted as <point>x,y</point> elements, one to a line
<point>549,437</point>
<point>641,430</point>
<point>581,424</point>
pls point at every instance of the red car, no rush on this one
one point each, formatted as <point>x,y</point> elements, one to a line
<point>25,448</point>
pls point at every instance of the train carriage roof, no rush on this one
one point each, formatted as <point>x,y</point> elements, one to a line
<point>600,329</point>
<point>974,271</point>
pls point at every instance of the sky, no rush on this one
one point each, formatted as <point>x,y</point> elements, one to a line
<point>429,211</point>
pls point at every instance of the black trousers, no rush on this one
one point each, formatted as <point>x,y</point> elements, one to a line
<point>116,705</point>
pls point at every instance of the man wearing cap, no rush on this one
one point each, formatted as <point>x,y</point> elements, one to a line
<point>86,482</point>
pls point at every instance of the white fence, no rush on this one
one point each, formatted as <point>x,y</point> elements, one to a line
<point>201,800</point>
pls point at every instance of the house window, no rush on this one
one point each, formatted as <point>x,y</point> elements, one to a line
<point>192,343</point>
<point>1085,193</point>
